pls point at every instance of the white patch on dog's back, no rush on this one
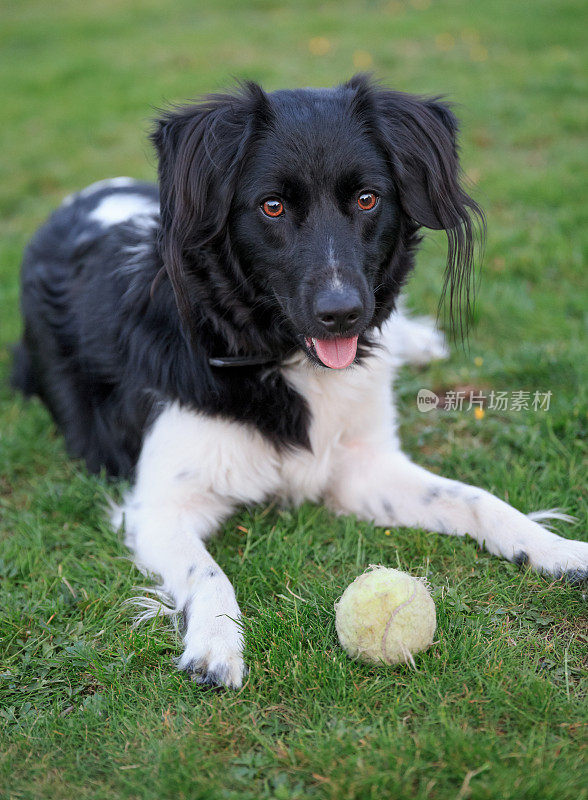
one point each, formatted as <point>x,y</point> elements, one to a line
<point>117,208</point>
<point>107,183</point>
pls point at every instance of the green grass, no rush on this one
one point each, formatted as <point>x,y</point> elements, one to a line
<point>497,707</point>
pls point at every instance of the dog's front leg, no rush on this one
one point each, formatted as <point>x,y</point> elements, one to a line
<point>386,487</point>
<point>192,473</point>
<point>166,538</point>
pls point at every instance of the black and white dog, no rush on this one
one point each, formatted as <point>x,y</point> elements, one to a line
<point>232,335</point>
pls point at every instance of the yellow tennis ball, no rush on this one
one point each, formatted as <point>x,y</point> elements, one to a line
<point>385,616</point>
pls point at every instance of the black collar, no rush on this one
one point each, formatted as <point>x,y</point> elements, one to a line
<point>257,360</point>
<point>243,361</point>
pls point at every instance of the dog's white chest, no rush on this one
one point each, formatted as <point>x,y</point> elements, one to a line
<point>350,409</point>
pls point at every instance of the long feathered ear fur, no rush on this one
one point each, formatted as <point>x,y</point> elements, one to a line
<point>201,149</point>
<point>420,137</point>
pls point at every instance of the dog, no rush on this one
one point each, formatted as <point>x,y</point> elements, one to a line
<point>232,335</point>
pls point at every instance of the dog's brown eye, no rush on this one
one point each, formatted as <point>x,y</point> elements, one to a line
<point>367,200</point>
<point>273,207</point>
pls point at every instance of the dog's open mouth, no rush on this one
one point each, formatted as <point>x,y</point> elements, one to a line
<point>334,353</point>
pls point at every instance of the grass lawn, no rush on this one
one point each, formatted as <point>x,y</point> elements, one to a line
<point>92,708</point>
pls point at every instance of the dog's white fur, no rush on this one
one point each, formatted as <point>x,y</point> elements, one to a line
<point>194,470</point>
<point>119,208</point>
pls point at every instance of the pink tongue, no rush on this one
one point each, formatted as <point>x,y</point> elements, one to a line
<point>336,353</point>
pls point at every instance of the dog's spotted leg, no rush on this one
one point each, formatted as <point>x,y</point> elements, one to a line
<point>390,490</point>
<point>192,473</point>
<point>166,535</point>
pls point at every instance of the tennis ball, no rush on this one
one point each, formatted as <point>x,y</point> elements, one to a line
<point>385,616</point>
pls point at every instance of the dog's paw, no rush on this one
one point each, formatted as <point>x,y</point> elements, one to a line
<point>569,560</point>
<point>414,340</point>
<point>426,343</point>
<point>213,637</point>
<point>217,664</point>
<point>562,558</point>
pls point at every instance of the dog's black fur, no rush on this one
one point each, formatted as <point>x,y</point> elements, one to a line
<point>118,318</point>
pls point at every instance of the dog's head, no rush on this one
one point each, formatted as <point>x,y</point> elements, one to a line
<point>300,209</point>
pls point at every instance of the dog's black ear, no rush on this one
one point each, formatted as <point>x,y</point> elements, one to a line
<point>420,136</point>
<point>201,148</point>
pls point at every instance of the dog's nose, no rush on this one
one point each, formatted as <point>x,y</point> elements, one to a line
<point>337,310</point>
